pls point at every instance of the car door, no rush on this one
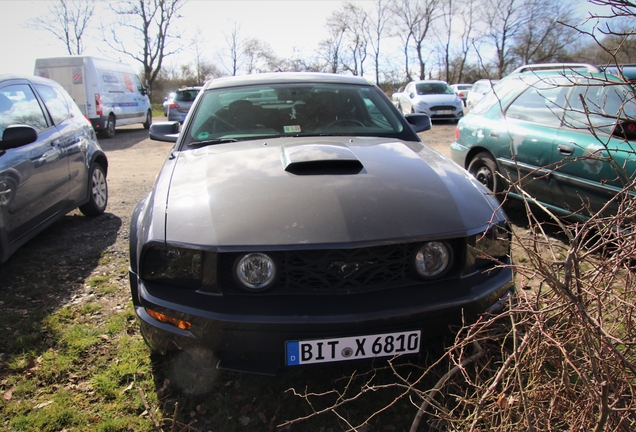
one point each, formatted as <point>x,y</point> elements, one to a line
<point>74,134</point>
<point>525,140</point>
<point>594,164</point>
<point>34,175</point>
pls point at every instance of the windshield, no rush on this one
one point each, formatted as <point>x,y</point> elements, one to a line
<point>256,111</point>
<point>433,88</point>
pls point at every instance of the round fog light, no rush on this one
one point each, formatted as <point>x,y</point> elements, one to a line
<point>256,271</point>
<point>432,259</point>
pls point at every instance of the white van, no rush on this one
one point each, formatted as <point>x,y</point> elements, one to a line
<point>109,93</point>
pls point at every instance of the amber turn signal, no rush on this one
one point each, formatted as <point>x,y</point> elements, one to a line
<point>183,325</point>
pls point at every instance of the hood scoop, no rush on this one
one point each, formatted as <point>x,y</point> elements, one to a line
<point>320,159</point>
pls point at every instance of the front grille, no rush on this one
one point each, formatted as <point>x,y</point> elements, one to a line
<point>443,108</point>
<point>338,271</point>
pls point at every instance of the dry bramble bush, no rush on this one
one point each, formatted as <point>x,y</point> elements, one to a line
<point>562,356</point>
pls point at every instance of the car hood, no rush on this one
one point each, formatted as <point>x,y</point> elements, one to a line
<point>315,191</point>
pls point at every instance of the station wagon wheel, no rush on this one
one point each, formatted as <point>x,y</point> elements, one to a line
<point>148,121</point>
<point>109,130</point>
<point>484,168</point>
<point>98,192</point>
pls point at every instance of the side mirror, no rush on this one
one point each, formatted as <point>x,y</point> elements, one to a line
<point>419,122</point>
<point>16,136</point>
<point>411,95</point>
<point>165,131</point>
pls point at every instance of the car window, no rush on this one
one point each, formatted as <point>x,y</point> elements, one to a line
<point>18,105</point>
<point>186,95</point>
<point>500,91</point>
<point>140,87</point>
<point>433,88</point>
<point>599,105</point>
<point>55,102</point>
<point>543,102</point>
<point>292,110</point>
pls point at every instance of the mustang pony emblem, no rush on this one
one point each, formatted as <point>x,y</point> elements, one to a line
<point>345,270</point>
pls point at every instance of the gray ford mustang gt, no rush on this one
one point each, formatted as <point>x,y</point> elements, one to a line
<point>299,220</point>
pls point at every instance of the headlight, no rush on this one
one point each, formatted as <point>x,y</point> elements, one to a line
<point>256,271</point>
<point>433,259</point>
<point>173,266</point>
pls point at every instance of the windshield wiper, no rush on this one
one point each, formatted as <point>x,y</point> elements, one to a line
<point>212,142</point>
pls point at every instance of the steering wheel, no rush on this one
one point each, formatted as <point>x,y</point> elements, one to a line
<point>342,122</point>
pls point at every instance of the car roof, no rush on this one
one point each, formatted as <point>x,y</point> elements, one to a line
<point>284,78</point>
<point>581,70</point>
<point>31,78</point>
<point>430,81</point>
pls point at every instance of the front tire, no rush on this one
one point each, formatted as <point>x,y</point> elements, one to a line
<point>148,121</point>
<point>484,168</point>
<point>98,192</point>
<point>109,130</point>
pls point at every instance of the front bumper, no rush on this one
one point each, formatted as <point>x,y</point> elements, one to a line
<point>441,114</point>
<point>248,332</point>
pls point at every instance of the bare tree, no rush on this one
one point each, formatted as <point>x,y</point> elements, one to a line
<point>504,19</point>
<point>544,39</point>
<point>151,21</point>
<point>417,18</point>
<point>233,41</point>
<point>377,30</point>
<point>67,20</point>
<point>331,49</point>
<point>356,20</point>
<point>457,22</point>
<point>259,56</point>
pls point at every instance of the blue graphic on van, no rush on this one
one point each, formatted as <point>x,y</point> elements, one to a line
<point>124,104</point>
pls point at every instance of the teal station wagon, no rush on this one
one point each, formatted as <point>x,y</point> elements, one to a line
<point>565,133</point>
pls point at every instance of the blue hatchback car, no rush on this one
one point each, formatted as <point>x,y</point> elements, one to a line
<point>50,160</point>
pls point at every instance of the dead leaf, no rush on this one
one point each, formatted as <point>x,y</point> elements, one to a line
<point>42,405</point>
<point>244,420</point>
<point>8,394</point>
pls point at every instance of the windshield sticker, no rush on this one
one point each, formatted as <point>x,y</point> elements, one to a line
<point>292,129</point>
<point>203,135</point>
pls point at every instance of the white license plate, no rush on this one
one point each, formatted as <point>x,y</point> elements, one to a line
<point>440,112</point>
<point>352,348</point>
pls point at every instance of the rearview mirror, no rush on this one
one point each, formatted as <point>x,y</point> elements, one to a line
<point>165,131</point>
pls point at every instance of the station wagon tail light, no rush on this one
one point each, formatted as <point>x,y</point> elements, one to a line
<point>457,133</point>
<point>99,108</point>
<point>173,266</point>
<point>433,259</point>
<point>256,271</point>
<point>183,325</point>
